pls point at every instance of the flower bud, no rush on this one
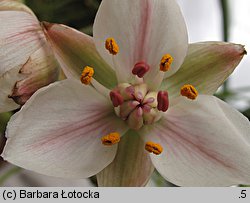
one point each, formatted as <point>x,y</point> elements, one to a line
<point>26,60</point>
<point>40,70</point>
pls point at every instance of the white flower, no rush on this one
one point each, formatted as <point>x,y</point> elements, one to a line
<point>155,103</point>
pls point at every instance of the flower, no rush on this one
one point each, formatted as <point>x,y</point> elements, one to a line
<point>142,108</point>
<point>26,60</point>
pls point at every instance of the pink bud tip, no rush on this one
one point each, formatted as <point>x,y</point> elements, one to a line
<point>140,69</point>
<point>139,96</point>
<point>146,108</point>
<point>163,102</point>
<point>139,112</point>
<point>149,100</point>
<point>116,98</point>
<point>130,90</point>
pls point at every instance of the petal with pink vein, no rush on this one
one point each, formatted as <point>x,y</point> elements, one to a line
<point>7,5</point>
<point>58,131</point>
<point>145,30</point>
<point>21,35</point>
<point>205,143</point>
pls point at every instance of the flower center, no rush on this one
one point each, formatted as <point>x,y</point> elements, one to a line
<point>138,106</point>
<point>135,103</point>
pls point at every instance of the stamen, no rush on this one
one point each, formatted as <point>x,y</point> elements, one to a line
<point>112,46</point>
<point>116,98</point>
<point>189,91</point>
<point>166,62</point>
<point>163,102</point>
<point>152,147</point>
<point>87,75</point>
<point>140,69</point>
<point>111,139</point>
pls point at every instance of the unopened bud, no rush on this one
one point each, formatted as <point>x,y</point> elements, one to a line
<point>40,70</point>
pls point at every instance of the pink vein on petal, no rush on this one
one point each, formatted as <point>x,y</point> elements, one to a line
<point>143,31</point>
<point>74,131</point>
<point>191,146</point>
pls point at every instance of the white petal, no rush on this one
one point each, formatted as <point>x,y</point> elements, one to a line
<point>7,5</point>
<point>26,178</point>
<point>145,30</point>
<point>206,143</point>
<point>58,132</point>
<point>20,36</point>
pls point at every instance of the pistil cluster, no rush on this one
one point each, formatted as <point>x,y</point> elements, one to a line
<point>138,106</point>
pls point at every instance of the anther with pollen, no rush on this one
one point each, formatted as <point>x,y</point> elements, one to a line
<point>87,75</point>
<point>116,98</point>
<point>152,147</point>
<point>140,69</point>
<point>166,62</point>
<point>111,139</point>
<point>112,46</point>
<point>163,102</point>
<point>189,91</point>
